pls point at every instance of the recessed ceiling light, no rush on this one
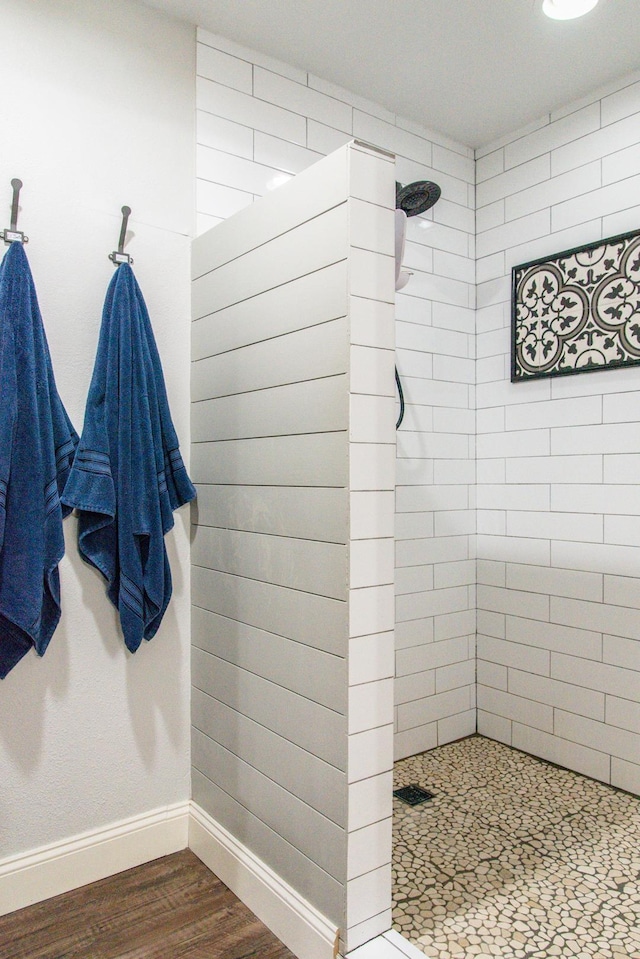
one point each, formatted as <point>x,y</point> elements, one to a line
<point>567,9</point>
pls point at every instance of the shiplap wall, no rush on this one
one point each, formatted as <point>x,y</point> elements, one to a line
<point>259,122</point>
<point>293,455</point>
<point>559,462</point>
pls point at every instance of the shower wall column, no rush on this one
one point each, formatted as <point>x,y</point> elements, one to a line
<point>294,454</point>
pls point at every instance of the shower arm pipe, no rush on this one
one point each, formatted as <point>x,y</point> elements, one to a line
<point>13,234</point>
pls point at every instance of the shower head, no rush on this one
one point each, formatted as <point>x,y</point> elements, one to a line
<point>415,198</point>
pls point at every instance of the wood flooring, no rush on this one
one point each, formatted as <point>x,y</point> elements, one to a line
<point>172,908</point>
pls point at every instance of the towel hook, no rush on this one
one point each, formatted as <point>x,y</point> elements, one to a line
<point>13,234</point>
<point>119,256</point>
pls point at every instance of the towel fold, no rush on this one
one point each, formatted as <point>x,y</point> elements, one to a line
<point>128,476</point>
<point>37,445</point>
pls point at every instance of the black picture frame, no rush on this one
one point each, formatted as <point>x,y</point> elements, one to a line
<point>577,311</point>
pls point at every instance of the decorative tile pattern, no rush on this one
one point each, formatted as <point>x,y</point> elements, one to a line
<point>579,310</point>
<point>514,858</point>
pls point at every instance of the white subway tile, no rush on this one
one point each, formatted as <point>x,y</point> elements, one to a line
<point>490,420</point>
<point>516,655</point>
<point>583,643</point>
<point>524,229</point>
<point>224,135</point>
<point>413,525</point>
<point>241,108</point>
<point>233,171</point>
<point>600,143</point>
<point>491,522</point>
<point>368,895</point>
<point>622,652</point>
<point>505,445</point>
<point>515,549</point>
<point>505,393</point>
<point>414,686</point>
<point>431,656</point>
<point>371,658</point>
<point>454,318</point>
<point>457,726</point>
<point>593,675</point>
<point>228,70</point>
<point>454,266</point>
<point>220,201</point>
<point>494,343</point>
<point>340,93</point>
<point>568,696</point>
<point>490,216</point>
<point>625,775</point>
<point>449,472</point>
<point>608,199</point>
<point>371,514</point>
<point>582,759</point>
<point>364,935</point>
<point>620,407</point>
<point>516,497</point>
<point>622,103</point>
<point>625,163</point>
<point>431,603</point>
<point>453,368</point>
<point>608,739</point>
<point>370,800</point>
<point>437,236</point>
<point>494,727</point>
<point>454,522</point>
<point>489,165</point>
<point>595,499</point>
<point>301,99</point>
<point>493,291</point>
<point>555,469</point>
<point>622,591</point>
<point>454,215</point>
<point>576,182</point>
<point>618,620</point>
<point>368,848</point>
<point>413,579</point>
<point>370,705</point>
<point>250,55</point>
<point>371,467</point>
<point>390,137</point>
<point>454,164</point>
<point>371,562</point>
<point>370,753</point>
<point>371,323</point>
<point>623,713</point>
<point>538,715</point>
<point>491,573</point>
<point>515,602</point>
<point>491,471</point>
<point>454,625</point>
<point>622,530</point>
<point>553,135</point>
<point>372,374</point>
<point>325,139</point>
<point>605,558</point>
<point>277,153</point>
<point>413,633</point>
<point>550,245</point>
<point>421,712</point>
<point>454,574</point>
<point>513,181</point>
<point>492,674</point>
<point>204,222</point>
<point>456,675</point>
<point>555,582</point>
<point>608,438</point>
<point>410,742</point>
<point>490,267</point>
<point>623,221</point>
<point>555,413</point>
<point>453,421</point>
<point>371,610</point>
<point>624,468</point>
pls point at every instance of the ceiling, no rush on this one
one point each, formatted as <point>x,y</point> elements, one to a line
<point>471,69</point>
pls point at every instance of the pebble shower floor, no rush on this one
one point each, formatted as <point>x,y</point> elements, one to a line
<point>514,858</point>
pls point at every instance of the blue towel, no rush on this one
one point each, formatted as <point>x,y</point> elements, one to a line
<point>128,475</point>
<point>37,444</point>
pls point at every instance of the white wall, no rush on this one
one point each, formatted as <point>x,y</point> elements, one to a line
<point>559,461</point>
<point>260,122</point>
<point>96,112</point>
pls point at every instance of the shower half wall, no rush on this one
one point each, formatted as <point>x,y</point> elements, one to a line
<point>293,551</point>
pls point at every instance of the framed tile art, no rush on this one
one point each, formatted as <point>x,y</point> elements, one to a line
<point>578,310</point>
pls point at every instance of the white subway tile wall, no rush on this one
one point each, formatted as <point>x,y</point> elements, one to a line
<point>260,122</point>
<point>558,462</point>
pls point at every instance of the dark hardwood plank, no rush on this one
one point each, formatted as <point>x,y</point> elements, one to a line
<point>172,908</point>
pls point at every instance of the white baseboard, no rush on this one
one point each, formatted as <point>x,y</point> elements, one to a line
<point>305,931</point>
<point>66,865</point>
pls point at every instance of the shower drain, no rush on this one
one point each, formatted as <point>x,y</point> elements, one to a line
<point>413,795</point>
